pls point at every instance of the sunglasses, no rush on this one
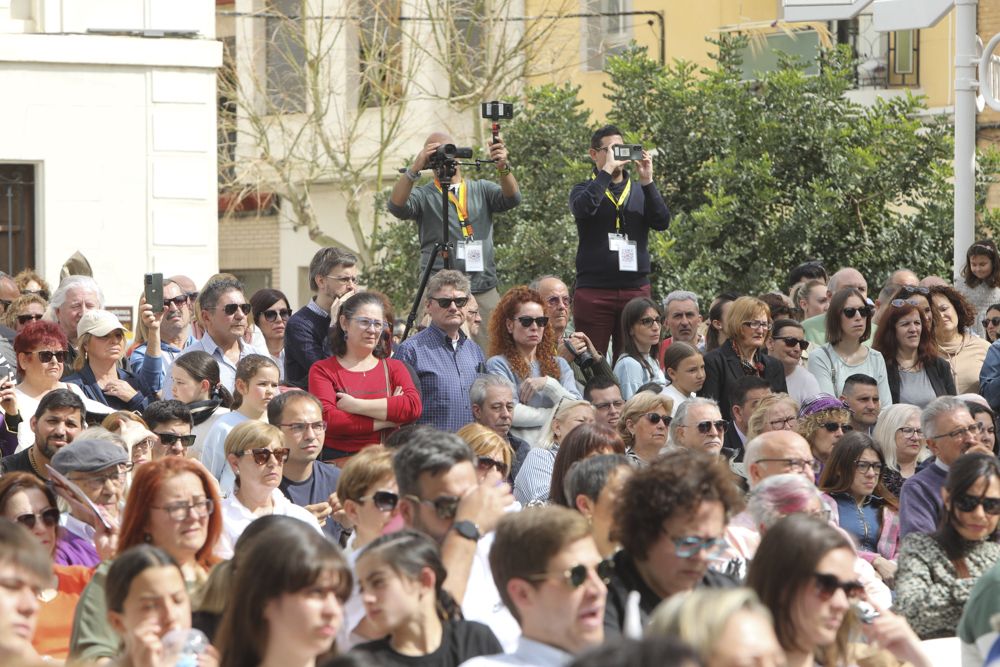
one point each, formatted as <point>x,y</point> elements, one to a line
<point>792,341</point>
<point>899,303</point>
<point>261,455</point>
<point>686,547</point>
<point>49,517</point>
<point>168,439</point>
<point>964,503</point>
<point>577,575</point>
<point>46,356</point>
<point>37,292</point>
<point>444,302</point>
<point>995,321</point>
<point>911,289</point>
<point>656,418</point>
<point>273,315</point>
<point>828,584</point>
<point>385,501</point>
<point>230,308</point>
<point>178,301</point>
<point>485,462</point>
<point>706,427</point>
<point>528,321</point>
<point>650,321</point>
<point>24,319</point>
<point>864,311</point>
<point>446,507</point>
<point>833,427</point>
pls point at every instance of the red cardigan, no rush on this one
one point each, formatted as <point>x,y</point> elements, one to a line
<point>351,433</point>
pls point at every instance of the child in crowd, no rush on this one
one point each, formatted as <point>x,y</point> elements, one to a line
<point>980,282</point>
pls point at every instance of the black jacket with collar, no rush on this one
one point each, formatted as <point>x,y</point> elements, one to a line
<point>723,369</point>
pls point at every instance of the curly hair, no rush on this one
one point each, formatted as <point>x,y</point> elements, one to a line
<point>677,482</point>
<point>809,425</point>
<point>887,343</point>
<point>965,310</point>
<point>502,341</point>
<point>18,305</point>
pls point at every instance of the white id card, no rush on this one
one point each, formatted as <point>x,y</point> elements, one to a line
<point>474,256</point>
<point>628,259</point>
<point>615,242</point>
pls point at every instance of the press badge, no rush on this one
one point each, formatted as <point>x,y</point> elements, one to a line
<point>627,256</point>
<point>615,242</point>
<point>473,256</point>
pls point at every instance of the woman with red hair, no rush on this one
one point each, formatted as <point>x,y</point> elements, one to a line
<point>171,505</point>
<point>522,349</point>
<point>917,373</point>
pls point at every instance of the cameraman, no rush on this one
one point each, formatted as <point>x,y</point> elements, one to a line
<point>472,204</point>
<point>611,213</point>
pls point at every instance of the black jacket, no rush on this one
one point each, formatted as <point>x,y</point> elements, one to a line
<point>723,369</point>
<point>938,372</point>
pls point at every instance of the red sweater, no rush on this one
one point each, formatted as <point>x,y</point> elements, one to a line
<point>349,432</point>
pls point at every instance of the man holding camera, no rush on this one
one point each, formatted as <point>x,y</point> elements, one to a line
<point>472,204</point>
<point>613,218</point>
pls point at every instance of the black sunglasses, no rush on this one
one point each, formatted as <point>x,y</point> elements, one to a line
<point>261,455</point>
<point>705,427</point>
<point>792,341</point>
<point>446,302</point>
<point>656,418</point>
<point>49,517</point>
<point>995,321</point>
<point>385,501</point>
<point>446,507</point>
<point>866,311</point>
<point>577,575</point>
<point>46,356</point>
<point>967,503</point>
<point>486,462</point>
<point>37,292</point>
<point>178,301</point>
<point>168,439</point>
<point>528,321</point>
<point>231,308</point>
<point>828,584</point>
<point>24,319</point>
<point>833,427</point>
<point>273,315</point>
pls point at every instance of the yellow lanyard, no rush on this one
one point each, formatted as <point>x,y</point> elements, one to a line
<point>461,203</point>
<point>618,204</point>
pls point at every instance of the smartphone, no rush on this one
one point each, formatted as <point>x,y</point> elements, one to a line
<point>153,283</point>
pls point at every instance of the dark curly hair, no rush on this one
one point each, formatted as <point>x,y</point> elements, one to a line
<point>885,338</point>
<point>966,312</point>
<point>676,482</point>
<point>502,341</point>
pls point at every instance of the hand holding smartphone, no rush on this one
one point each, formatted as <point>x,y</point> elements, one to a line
<point>153,284</point>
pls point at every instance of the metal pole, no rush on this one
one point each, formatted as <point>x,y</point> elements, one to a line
<point>966,87</point>
<point>10,229</point>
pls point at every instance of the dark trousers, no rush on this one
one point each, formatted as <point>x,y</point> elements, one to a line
<point>598,313</point>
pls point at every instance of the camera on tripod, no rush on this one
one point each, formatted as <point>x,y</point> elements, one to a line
<point>627,152</point>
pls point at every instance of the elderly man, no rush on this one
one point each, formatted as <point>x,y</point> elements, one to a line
<point>698,425</point>
<point>552,579</point>
<point>470,218</point>
<point>8,293</point>
<point>950,431</point>
<point>473,320</point>
<point>175,331</point>
<point>861,395</point>
<point>444,358</point>
<point>60,415</point>
<point>574,347</point>
<point>815,327</point>
<point>492,400</point>
<point>74,297</point>
<point>682,317</point>
<point>788,345</point>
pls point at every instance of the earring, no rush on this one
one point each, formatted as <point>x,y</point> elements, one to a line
<point>147,538</point>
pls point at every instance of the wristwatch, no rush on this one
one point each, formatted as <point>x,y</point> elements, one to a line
<point>467,529</point>
<point>413,175</point>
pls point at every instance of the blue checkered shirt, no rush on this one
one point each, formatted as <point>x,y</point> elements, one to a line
<point>445,373</point>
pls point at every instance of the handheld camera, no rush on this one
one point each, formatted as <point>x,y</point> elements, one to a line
<point>497,111</point>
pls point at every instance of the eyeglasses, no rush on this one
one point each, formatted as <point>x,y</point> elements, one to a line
<point>864,311</point>
<point>168,439</point>
<point>756,324</point>
<point>298,428</point>
<point>526,322</point>
<point>686,547</point>
<point>650,321</point>
<point>617,405</point>
<point>345,279</point>
<point>828,584</point>
<point>967,503</point>
<point>655,418</point>
<point>143,446</point>
<point>178,301</point>
<point>556,300</point>
<point>445,302</point>
<point>368,323</point>
<point>822,513</point>
<point>577,575</point>
<point>910,431</point>
<point>777,424</point>
<point>795,465</point>
<point>230,308</point>
<point>273,315</point>
<point>444,506</point>
<point>472,313</point>
<point>24,319</point>
<point>49,517</point>
<point>486,462</point>
<point>46,356</point>
<point>261,455</point>
<point>864,467</point>
<point>385,501</point>
<point>833,427</point>
<point>995,321</point>
<point>899,303</point>
<point>971,429</point>
<point>181,510</point>
<point>705,427</point>
<point>37,292</point>
<point>97,481</point>
<point>792,341</point>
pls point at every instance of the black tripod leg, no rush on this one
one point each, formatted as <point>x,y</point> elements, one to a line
<point>412,317</point>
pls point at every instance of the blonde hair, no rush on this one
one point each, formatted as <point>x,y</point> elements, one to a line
<point>251,435</point>
<point>699,618</point>
<point>891,420</point>
<point>758,420</point>
<point>640,404</point>
<point>362,471</point>
<point>744,309</point>
<point>485,441</point>
<point>558,415</point>
<point>10,315</point>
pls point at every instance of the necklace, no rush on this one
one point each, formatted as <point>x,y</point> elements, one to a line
<point>912,368</point>
<point>34,464</point>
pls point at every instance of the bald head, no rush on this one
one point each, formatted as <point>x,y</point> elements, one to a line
<point>776,445</point>
<point>904,278</point>
<point>847,277</point>
<point>439,138</point>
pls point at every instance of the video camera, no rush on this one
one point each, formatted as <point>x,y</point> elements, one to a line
<point>444,160</point>
<point>627,152</point>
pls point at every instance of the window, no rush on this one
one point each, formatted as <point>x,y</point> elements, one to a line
<point>608,33</point>
<point>285,55</point>
<point>885,60</point>
<point>380,44</point>
<point>17,217</point>
<point>252,279</point>
<point>227,113</point>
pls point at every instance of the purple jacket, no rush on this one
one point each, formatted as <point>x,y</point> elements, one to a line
<point>71,549</point>
<point>920,501</point>
<point>8,434</point>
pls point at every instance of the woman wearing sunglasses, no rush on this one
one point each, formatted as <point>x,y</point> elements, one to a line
<point>26,500</point>
<point>640,330</point>
<point>644,426</point>
<point>360,367</point>
<point>848,326</point>
<point>803,572</point>
<point>172,504</point>
<point>916,373</point>
<point>954,318</point>
<point>400,576</point>
<point>256,454</point>
<point>493,452</point>
<point>747,328</point>
<point>937,571</point>
<point>270,315</point>
<point>23,310</point>
<point>522,349</point>
<point>991,323</point>
<point>860,503</point>
<point>822,422</point>
<point>900,438</point>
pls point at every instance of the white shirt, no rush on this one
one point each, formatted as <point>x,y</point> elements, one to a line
<point>213,450</point>
<point>801,384</point>
<point>675,395</point>
<point>482,600</point>
<point>236,517</point>
<point>529,653</point>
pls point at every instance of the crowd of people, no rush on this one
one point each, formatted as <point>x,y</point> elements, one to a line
<point>539,477</point>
